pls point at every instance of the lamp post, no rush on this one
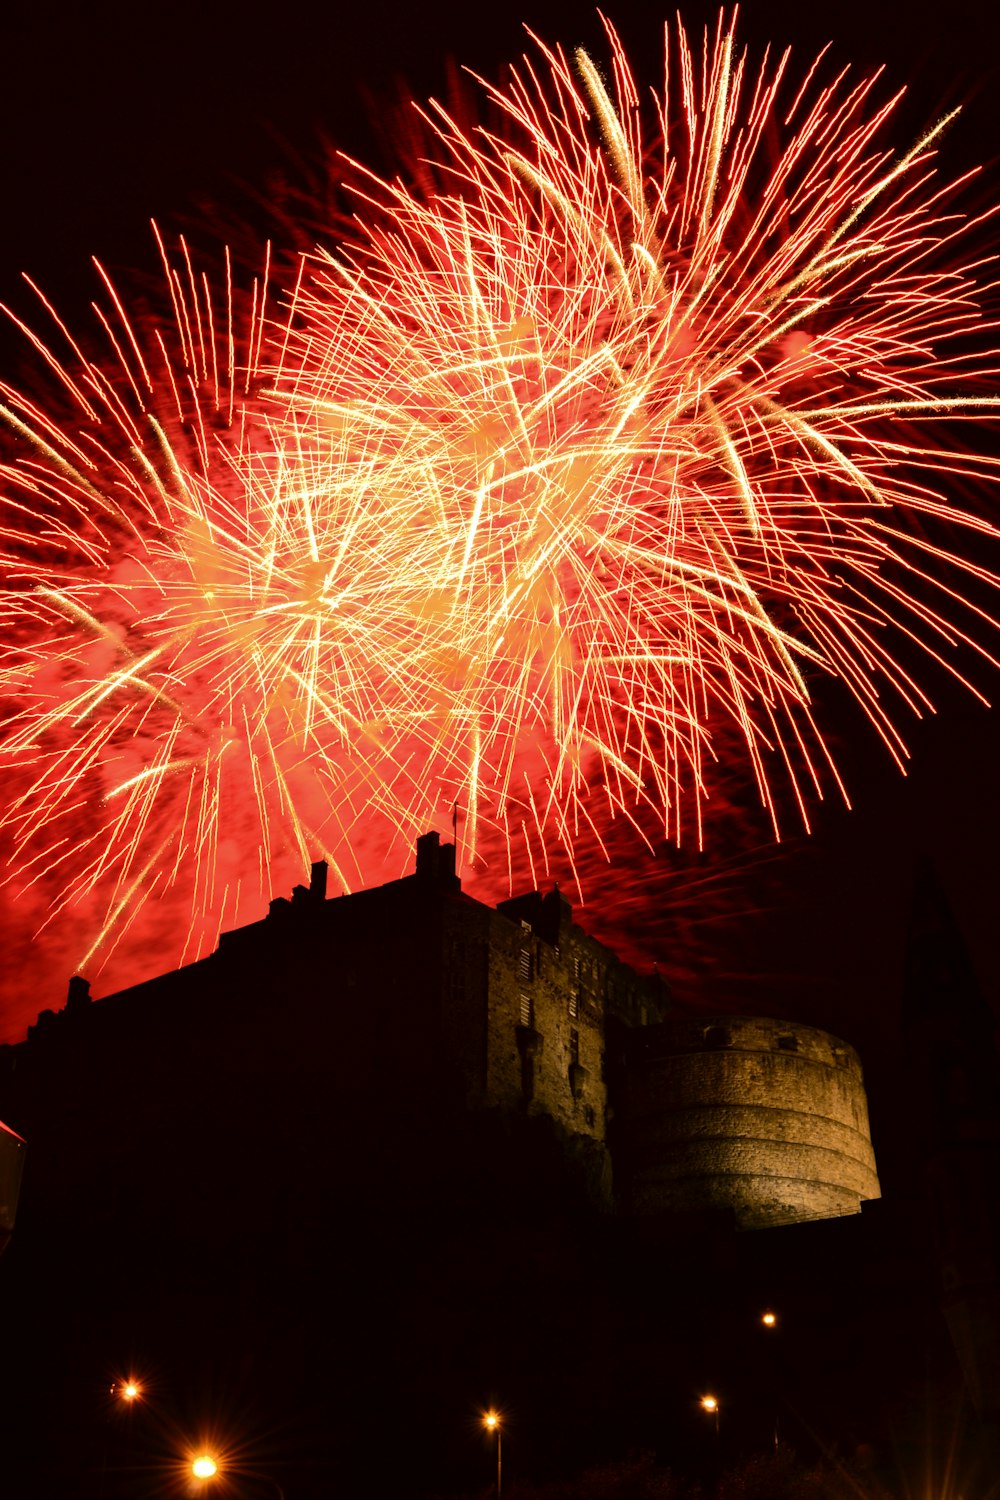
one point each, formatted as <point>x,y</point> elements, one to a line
<point>769,1320</point>
<point>491,1422</point>
<point>711,1405</point>
<point>125,1396</point>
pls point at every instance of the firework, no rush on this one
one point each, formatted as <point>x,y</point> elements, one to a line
<point>647,403</point>
<point>569,478</point>
<point>166,735</point>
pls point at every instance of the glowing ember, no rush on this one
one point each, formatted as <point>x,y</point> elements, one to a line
<point>562,482</point>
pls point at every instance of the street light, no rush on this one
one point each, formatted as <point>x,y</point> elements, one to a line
<point>769,1319</point>
<point>125,1395</point>
<point>491,1421</point>
<point>126,1392</point>
<point>711,1405</point>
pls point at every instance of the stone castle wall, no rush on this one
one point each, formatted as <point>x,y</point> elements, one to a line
<point>546,1032</point>
<point>765,1119</point>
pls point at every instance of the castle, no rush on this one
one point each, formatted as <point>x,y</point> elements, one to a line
<point>401,1150</point>
<point>513,1010</point>
<point>402,1147</point>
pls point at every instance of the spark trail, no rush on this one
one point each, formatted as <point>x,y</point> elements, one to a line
<point>555,494</point>
<point>652,420</point>
<point>167,571</point>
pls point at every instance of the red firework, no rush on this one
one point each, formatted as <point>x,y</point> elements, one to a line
<point>570,477</point>
<point>654,419</point>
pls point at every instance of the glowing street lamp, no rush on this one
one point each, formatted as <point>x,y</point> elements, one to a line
<point>491,1421</point>
<point>711,1405</point>
<point>206,1466</point>
<point>126,1392</point>
<point>123,1398</point>
<point>769,1319</point>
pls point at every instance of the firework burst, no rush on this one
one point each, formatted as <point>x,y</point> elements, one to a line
<point>165,562</point>
<point>646,402</point>
<point>568,479</point>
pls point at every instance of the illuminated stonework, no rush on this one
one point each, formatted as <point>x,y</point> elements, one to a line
<point>764,1119</point>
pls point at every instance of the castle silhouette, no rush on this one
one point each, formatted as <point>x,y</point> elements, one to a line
<point>396,1152</point>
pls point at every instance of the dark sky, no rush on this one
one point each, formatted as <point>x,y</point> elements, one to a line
<point>112,114</point>
<point>115,113</point>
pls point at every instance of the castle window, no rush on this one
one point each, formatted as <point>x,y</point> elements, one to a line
<point>716,1036</point>
<point>525,967</point>
<point>574,1046</point>
<point>788,1043</point>
<point>577,991</point>
<point>527,1012</point>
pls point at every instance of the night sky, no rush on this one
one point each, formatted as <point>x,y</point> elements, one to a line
<point>192,114</point>
<point>113,114</point>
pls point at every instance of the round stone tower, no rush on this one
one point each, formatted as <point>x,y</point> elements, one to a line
<point>766,1119</point>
